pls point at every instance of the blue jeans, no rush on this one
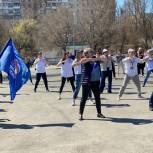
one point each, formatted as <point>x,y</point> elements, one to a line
<point>78,85</point>
<point>151,101</point>
<point>147,77</point>
<point>106,74</point>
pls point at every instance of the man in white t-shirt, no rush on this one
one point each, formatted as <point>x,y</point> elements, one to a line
<point>40,64</point>
<point>131,72</point>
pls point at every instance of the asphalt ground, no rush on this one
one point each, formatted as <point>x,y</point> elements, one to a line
<point>39,123</point>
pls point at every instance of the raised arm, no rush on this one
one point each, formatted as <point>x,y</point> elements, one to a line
<point>60,63</point>
<point>75,63</point>
<point>36,61</point>
<point>85,60</point>
<point>125,60</point>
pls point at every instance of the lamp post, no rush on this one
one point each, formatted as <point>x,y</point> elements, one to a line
<point>73,33</point>
<point>66,37</point>
<point>74,23</point>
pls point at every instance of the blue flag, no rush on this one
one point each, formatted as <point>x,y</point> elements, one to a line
<point>13,65</point>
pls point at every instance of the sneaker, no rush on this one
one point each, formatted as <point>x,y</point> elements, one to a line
<point>34,90</point>
<point>59,97</point>
<point>90,99</point>
<point>73,104</point>
<point>81,118</point>
<point>100,116</point>
<point>151,108</point>
<point>139,96</point>
<point>118,98</point>
<point>47,90</point>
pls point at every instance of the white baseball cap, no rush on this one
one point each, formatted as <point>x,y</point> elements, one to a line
<point>131,50</point>
<point>150,50</point>
<point>105,50</point>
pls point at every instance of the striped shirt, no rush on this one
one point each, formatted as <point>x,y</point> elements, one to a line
<point>86,72</point>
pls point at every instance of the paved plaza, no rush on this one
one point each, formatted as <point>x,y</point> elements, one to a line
<point>39,123</point>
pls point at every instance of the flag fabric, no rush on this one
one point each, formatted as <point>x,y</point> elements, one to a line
<point>14,66</point>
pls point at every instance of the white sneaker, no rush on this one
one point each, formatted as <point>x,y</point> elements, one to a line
<point>59,97</point>
<point>90,99</point>
<point>73,104</point>
<point>118,98</point>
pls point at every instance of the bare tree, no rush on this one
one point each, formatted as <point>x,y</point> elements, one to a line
<point>141,14</point>
<point>31,9</point>
<point>97,19</point>
<point>4,28</point>
<point>56,29</point>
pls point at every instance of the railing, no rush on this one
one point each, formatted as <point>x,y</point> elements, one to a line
<point>52,61</point>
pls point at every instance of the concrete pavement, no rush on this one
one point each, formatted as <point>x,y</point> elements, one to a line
<point>39,123</point>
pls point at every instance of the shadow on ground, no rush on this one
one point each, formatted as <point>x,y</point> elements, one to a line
<point>3,110</point>
<point>5,95</point>
<point>26,126</point>
<point>126,120</point>
<point>4,120</point>
<point>109,105</point>
<point>5,102</point>
<point>115,105</point>
<point>130,120</point>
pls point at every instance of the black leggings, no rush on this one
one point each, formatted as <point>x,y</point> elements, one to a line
<point>141,67</point>
<point>94,86</point>
<point>71,79</point>
<point>38,77</point>
<point>1,77</point>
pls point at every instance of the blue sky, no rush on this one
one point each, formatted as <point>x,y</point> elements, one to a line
<point>120,2</point>
<point>149,6</point>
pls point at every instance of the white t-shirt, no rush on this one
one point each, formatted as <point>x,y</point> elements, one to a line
<point>77,69</point>
<point>40,65</point>
<point>66,69</point>
<point>149,63</point>
<point>130,66</point>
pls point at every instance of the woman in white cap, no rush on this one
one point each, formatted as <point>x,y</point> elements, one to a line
<point>131,72</point>
<point>106,67</point>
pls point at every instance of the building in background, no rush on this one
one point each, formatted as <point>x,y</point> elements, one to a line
<point>16,9</point>
<point>10,9</point>
<point>52,5</point>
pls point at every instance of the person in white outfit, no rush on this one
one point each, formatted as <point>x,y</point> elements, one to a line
<point>40,64</point>
<point>66,72</point>
<point>131,72</point>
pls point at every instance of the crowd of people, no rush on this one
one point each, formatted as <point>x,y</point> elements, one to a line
<point>90,69</point>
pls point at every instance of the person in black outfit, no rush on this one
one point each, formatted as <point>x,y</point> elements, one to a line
<point>151,102</point>
<point>141,66</point>
<point>1,77</point>
<point>87,83</point>
<point>113,69</point>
